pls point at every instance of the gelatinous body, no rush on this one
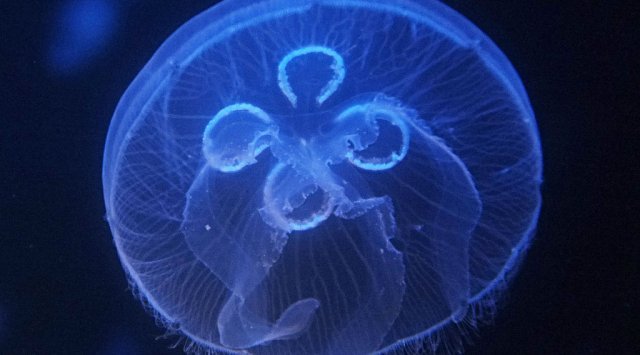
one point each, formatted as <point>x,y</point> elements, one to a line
<point>338,177</point>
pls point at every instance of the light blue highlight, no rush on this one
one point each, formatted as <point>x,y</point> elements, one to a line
<point>381,109</point>
<point>235,143</point>
<point>279,202</point>
<point>337,67</point>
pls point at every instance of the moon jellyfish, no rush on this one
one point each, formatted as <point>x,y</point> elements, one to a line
<point>323,177</point>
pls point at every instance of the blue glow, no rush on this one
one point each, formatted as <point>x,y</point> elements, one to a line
<point>348,177</point>
<point>332,85</point>
<point>237,141</point>
<point>378,110</point>
<point>83,28</point>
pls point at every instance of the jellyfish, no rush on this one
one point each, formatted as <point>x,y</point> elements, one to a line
<point>323,177</point>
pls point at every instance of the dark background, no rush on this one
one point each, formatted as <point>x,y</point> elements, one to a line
<point>62,290</point>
